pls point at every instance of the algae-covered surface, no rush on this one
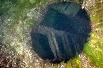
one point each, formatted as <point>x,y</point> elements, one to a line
<point>17,17</point>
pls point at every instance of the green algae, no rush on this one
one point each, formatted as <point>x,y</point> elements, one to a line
<point>75,63</point>
<point>94,48</point>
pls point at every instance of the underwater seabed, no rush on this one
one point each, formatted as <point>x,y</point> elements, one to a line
<point>19,17</point>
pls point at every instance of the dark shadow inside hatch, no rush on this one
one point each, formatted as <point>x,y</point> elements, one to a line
<point>62,33</point>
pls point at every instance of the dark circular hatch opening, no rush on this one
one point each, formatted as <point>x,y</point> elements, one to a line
<point>62,33</point>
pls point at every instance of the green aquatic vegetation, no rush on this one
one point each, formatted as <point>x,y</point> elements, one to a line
<point>75,63</point>
<point>94,50</point>
<point>97,12</point>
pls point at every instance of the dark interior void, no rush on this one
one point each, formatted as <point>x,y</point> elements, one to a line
<point>70,25</point>
<point>41,46</point>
